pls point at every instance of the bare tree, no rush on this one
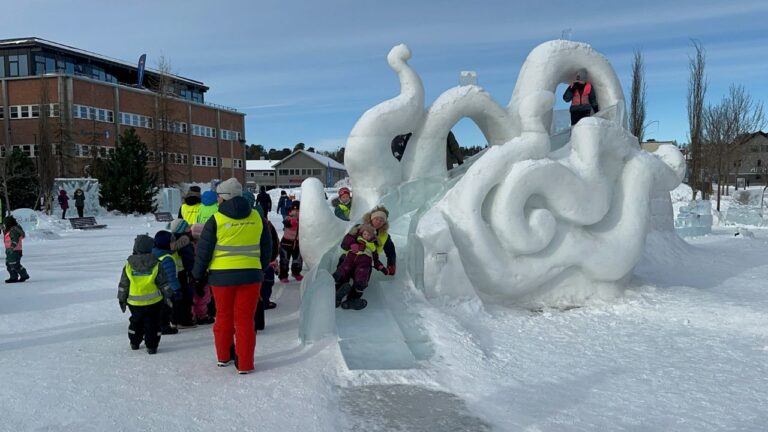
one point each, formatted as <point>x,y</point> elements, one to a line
<point>166,140</point>
<point>46,162</point>
<point>697,89</point>
<point>637,101</point>
<point>736,115</point>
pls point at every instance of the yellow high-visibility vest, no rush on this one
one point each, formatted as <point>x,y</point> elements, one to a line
<point>238,242</point>
<point>382,238</point>
<point>143,290</point>
<point>189,213</point>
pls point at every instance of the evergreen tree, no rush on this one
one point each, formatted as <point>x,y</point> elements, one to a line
<point>21,180</point>
<point>129,185</point>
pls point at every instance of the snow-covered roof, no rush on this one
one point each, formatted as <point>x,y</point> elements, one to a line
<point>325,160</point>
<point>260,165</point>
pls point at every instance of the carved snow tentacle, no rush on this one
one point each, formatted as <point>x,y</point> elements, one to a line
<point>320,228</point>
<point>556,62</point>
<point>370,174</point>
<point>425,154</point>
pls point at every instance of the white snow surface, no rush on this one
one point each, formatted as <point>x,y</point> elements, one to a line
<point>685,349</point>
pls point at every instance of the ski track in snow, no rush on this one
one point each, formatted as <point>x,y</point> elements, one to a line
<point>685,349</point>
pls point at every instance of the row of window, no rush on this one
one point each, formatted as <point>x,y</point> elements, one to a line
<point>104,115</point>
<point>92,113</point>
<point>300,171</point>
<point>211,161</point>
<point>203,131</point>
<point>230,135</point>
<point>758,148</point>
<point>137,120</point>
<point>30,111</point>
<point>252,174</point>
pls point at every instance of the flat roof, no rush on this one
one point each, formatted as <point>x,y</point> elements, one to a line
<point>6,43</point>
<point>260,165</point>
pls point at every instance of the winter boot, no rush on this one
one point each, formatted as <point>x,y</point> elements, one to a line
<point>134,346</point>
<point>11,280</point>
<point>355,304</point>
<point>23,275</point>
<point>151,350</point>
<point>342,292</point>
<point>298,278</point>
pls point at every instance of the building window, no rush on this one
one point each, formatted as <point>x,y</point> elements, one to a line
<point>759,162</point>
<point>173,126</point>
<point>229,135</point>
<point>17,65</point>
<point>237,163</point>
<point>283,172</point>
<point>209,161</point>
<point>136,120</point>
<point>2,112</point>
<point>203,131</point>
<point>93,113</point>
<point>29,150</point>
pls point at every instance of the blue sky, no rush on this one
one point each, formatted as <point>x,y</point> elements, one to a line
<point>305,71</point>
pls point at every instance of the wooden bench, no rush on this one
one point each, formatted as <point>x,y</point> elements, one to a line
<point>88,222</point>
<point>163,217</point>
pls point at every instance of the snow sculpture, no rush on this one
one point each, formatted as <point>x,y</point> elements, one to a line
<point>520,222</point>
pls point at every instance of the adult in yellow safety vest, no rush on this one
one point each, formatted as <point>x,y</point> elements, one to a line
<point>191,205</point>
<point>234,248</point>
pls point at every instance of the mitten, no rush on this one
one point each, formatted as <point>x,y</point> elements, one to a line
<point>355,247</point>
<point>122,306</point>
<point>391,270</point>
<point>382,269</point>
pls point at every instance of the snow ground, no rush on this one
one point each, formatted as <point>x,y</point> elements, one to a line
<point>685,350</point>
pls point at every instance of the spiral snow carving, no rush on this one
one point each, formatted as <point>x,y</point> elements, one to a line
<point>519,223</point>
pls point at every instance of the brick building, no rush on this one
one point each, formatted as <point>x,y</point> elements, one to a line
<point>70,105</point>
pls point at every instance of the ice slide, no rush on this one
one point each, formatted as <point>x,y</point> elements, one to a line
<point>527,222</point>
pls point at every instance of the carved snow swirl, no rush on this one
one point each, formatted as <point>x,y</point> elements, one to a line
<point>370,139</point>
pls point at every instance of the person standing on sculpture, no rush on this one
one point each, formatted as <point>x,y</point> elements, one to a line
<point>582,97</point>
<point>79,202</point>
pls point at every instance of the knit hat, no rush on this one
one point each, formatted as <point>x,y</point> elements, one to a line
<point>379,213</point>
<point>229,188</point>
<point>194,191</point>
<point>344,191</point>
<point>163,240</point>
<point>209,197</point>
<point>178,226</point>
<point>250,197</point>
<point>142,244</point>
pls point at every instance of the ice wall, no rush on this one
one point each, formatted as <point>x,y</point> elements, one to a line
<point>523,221</point>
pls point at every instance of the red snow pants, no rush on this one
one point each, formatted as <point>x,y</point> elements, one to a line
<point>235,307</point>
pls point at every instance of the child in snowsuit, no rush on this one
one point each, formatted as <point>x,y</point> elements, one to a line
<point>289,246</point>
<point>163,253</point>
<point>183,253</point>
<point>143,287</point>
<point>202,291</point>
<point>269,280</point>
<point>357,263</point>
<point>12,238</point>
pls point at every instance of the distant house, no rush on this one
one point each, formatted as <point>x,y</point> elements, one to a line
<point>301,164</point>
<point>260,173</point>
<point>749,155</point>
